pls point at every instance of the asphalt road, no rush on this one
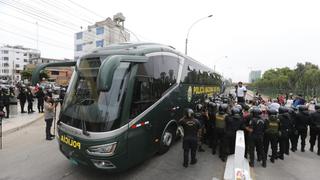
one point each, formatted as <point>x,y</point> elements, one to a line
<point>27,155</point>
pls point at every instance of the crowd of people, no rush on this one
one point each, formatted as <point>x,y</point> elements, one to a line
<point>26,95</point>
<point>265,123</point>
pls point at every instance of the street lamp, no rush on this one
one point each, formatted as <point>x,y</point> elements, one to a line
<point>186,47</point>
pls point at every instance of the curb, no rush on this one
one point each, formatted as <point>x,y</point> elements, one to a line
<point>4,133</point>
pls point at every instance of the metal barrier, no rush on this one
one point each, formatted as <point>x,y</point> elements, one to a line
<point>237,166</point>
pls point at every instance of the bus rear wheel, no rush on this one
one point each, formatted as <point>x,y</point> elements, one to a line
<point>167,139</point>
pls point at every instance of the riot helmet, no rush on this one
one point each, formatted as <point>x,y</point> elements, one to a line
<point>199,107</point>
<point>235,110</point>
<point>272,112</point>
<point>283,109</point>
<point>256,112</point>
<point>188,113</point>
<point>302,108</point>
<point>223,108</point>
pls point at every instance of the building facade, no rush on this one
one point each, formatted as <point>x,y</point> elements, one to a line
<point>13,60</point>
<point>254,76</point>
<point>100,34</point>
<point>60,75</point>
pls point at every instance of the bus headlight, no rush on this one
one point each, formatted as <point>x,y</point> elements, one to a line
<point>102,150</point>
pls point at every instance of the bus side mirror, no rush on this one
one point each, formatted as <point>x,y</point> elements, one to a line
<point>105,74</point>
<point>108,67</point>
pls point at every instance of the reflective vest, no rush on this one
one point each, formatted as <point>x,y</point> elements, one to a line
<point>220,120</point>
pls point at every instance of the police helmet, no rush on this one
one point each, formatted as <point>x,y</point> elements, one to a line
<point>235,110</point>
<point>223,108</point>
<point>283,109</point>
<point>212,106</point>
<point>199,107</point>
<point>256,112</point>
<point>272,112</point>
<point>189,113</point>
<point>317,107</point>
<point>303,108</point>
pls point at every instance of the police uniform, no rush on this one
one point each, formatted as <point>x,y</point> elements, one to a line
<point>256,128</point>
<point>191,127</point>
<point>271,134</point>
<point>302,120</point>
<point>286,129</point>
<point>219,132</point>
<point>315,123</point>
<point>234,122</point>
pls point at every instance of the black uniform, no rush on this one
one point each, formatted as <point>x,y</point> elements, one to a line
<point>30,101</point>
<point>257,127</point>
<point>271,136</point>
<point>286,130</point>
<point>40,96</point>
<point>233,123</point>
<point>315,124</point>
<point>191,127</point>
<point>301,120</point>
<point>22,98</point>
<point>219,135</point>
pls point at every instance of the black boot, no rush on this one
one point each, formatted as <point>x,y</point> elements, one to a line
<point>264,164</point>
<point>200,149</point>
<point>311,148</point>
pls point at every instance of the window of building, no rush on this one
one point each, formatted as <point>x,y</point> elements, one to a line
<point>79,35</point>
<point>99,43</point>
<point>5,52</point>
<point>17,65</point>
<point>153,79</point>
<point>6,58</point>
<point>79,47</point>
<point>99,30</point>
<point>54,72</point>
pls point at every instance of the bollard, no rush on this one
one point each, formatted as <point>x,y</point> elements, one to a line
<point>237,167</point>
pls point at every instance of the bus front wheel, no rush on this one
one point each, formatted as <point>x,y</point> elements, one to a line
<point>168,136</point>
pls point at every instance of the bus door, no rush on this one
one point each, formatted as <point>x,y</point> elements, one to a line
<point>141,128</point>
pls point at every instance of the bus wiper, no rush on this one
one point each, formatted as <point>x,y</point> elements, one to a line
<point>83,123</point>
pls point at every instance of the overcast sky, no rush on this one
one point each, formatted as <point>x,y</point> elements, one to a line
<point>253,34</point>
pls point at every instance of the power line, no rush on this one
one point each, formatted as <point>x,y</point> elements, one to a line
<point>86,9</point>
<point>27,37</point>
<point>31,22</point>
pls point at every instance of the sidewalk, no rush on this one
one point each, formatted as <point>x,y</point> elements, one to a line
<point>19,121</point>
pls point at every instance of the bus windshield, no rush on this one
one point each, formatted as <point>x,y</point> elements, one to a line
<point>100,111</point>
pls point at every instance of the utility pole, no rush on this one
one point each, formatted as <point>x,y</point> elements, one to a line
<point>37,34</point>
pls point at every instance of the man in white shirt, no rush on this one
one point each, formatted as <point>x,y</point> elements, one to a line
<point>241,93</point>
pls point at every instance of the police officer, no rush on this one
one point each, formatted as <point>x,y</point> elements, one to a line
<point>315,123</point>
<point>234,122</point>
<point>30,100</point>
<point>272,134</point>
<point>201,118</point>
<point>293,134</point>
<point>212,110</point>
<point>191,127</point>
<point>286,129</point>
<point>40,96</point>
<point>219,132</point>
<point>256,129</point>
<point>22,98</point>
<point>301,120</point>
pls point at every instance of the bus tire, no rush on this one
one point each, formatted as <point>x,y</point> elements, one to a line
<point>167,139</point>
